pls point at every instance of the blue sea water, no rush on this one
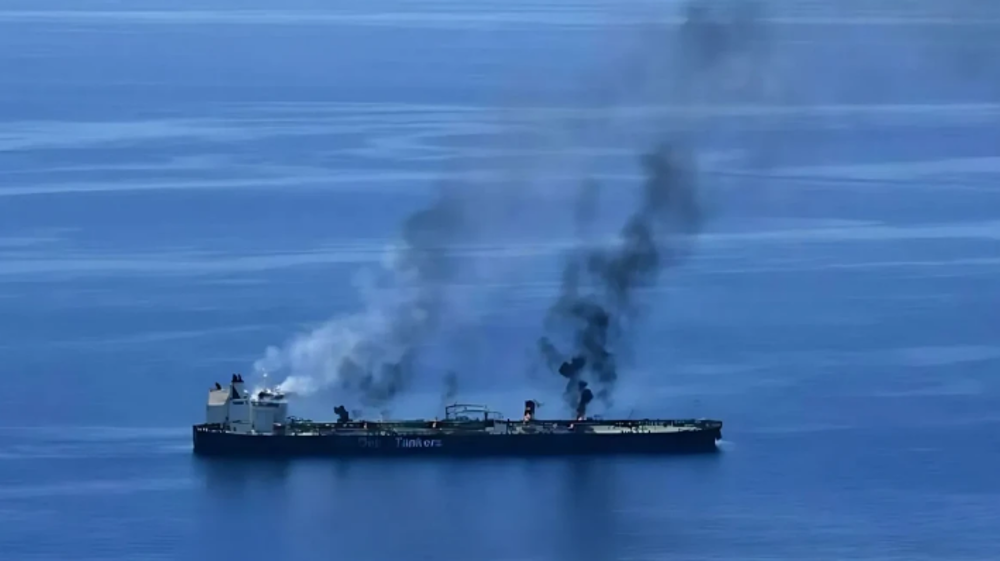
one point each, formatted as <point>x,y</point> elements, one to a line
<point>183,185</point>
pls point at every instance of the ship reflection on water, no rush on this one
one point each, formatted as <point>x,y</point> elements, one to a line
<point>572,509</point>
<point>226,475</point>
<point>590,508</point>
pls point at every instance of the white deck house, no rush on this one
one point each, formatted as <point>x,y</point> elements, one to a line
<point>236,410</point>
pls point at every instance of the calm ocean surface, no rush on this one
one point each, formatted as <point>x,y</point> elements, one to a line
<point>182,187</point>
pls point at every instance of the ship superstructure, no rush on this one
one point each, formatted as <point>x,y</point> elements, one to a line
<point>235,410</point>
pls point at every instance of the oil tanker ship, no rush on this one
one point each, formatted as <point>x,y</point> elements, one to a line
<point>240,424</point>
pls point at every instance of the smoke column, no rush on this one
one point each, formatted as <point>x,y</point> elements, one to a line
<point>720,53</point>
<point>596,304</point>
<point>373,353</point>
<point>450,388</point>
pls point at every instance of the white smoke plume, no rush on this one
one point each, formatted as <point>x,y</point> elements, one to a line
<point>312,359</point>
<point>373,352</point>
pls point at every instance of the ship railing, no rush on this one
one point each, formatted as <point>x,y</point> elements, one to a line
<point>637,425</point>
<point>699,423</point>
<point>299,426</point>
<point>474,425</point>
<point>391,425</point>
<point>210,427</point>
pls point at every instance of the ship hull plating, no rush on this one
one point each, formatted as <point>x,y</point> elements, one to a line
<point>221,443</point>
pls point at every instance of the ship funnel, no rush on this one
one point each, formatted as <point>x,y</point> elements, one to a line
<point>237,386</point>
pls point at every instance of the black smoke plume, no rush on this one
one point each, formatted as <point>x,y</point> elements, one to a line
<point>597,304</point>
<point>720,53</point>
<point>586,396</point>
<point>450,388</point>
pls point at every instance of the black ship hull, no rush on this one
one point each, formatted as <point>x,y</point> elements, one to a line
<point>212,442</point>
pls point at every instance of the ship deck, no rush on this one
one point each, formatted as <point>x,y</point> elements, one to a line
<point>433,428</point>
